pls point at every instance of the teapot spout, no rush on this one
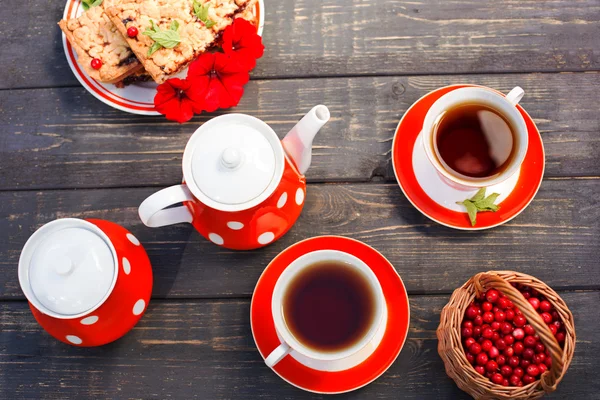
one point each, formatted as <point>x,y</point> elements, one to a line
<point>298,142</point>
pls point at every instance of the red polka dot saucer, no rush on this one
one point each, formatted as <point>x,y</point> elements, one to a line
<point>303,377</point>
<point>88,282</point>
<point>436,199</point>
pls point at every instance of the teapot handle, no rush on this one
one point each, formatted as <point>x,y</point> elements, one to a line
<point>152,210</point>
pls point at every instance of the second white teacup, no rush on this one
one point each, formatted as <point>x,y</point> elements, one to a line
<point>504,106</point>
<point>348,355</point>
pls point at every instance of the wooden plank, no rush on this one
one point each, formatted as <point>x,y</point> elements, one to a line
<point>555,238</point>
<point>204,350</point>
<point>333,37</point>
<point>74,141</point>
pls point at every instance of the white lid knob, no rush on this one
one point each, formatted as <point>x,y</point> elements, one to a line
<point>231,158</point>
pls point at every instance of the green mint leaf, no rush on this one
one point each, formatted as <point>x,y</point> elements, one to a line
<point>488,201</point>
<point>471,210</point>
<point>153,49</point>
<point>480,203</point>
<point>479,195</point>
<point>201,12</point>
<point>167,39</point>
<point>87,4</point>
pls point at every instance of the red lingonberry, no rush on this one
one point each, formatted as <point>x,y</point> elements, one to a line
<point>492,295</point>
<point>506,370</point>
<point>491,366</point>
<point>519,320</point>
<point>481,359</point>
<point>497,378</point>
<point>132,31</point>
<point>533,370</point>
<point>488,317</point>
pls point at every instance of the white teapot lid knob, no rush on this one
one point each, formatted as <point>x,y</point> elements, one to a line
<point>231,158</point>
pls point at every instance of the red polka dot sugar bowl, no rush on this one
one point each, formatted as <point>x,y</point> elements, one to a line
<point>243,187</point>
<point>88,282</point>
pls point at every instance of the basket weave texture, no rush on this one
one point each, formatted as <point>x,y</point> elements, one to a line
<point>451,350</point>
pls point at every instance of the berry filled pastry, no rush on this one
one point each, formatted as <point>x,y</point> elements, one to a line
<point>172,33</point>
<point>101,49</point>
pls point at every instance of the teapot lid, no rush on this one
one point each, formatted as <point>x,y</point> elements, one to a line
<point>233,162</point>
<point>68,268</point>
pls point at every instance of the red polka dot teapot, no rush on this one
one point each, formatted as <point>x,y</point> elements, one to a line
<point>88,282</point>
<point>243,187</point>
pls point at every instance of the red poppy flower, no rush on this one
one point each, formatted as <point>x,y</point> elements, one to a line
<point>175,99</point>
<point>241,40</point>
<point>218,79</point>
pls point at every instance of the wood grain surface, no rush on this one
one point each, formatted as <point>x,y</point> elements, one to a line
<point>557,232</point>
<point>65,154</point>
<point>356,37</point>
<point>65,138</point>
<point>203,349</point>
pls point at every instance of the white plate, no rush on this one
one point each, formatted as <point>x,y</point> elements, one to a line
<point>137,98</point>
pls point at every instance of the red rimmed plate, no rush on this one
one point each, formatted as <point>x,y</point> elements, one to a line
<point>137,98</point>
<point>290,370</point>
<point>424,188</point>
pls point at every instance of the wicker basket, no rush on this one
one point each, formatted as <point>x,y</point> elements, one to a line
<point>451,350</point>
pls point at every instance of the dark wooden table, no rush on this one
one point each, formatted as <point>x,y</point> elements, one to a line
<point>66,154</point>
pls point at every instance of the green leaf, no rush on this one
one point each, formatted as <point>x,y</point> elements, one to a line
<point>488,201</point>
<point>479,195</point>
<point>471,210</point>
<point>153,49</point>
<point>87,4</point>
<point>201,12</point>
<point>480,203</point>
<point>167,39</point>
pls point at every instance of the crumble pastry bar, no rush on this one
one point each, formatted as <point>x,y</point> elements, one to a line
<point>195,37</point>
<point>93,35</point>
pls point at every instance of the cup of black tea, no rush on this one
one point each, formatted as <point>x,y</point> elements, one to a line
<point>329,311</point>
<point>475,136</point>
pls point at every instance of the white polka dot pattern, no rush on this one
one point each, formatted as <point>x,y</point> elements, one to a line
<point>299,196</point>
<point>133,239</point>
<point>282,200</point>
<point>266,238</point>
<point>126,266</point>
<point>216,239</point>
<point>74,339</point>
<point>236,226</point>
<point>138,307</point>
<point>90,320</point>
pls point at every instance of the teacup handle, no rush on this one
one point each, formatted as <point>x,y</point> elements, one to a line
<point>152,210</point>
<point>277,355</point>
<point>515,95</point>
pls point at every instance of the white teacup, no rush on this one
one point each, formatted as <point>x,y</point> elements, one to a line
<point>505,106</point>
<point>345,358</point>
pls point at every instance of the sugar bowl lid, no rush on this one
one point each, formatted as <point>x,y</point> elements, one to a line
<point>233,162</point>
<point>68,268</point>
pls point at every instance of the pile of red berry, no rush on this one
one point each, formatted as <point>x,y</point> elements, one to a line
<point>499,342</point>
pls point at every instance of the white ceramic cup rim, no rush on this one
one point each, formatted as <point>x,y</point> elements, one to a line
<point>29,249</point>
<point>492,99</point>
<point>299,265</point>
<point>257,124</point>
